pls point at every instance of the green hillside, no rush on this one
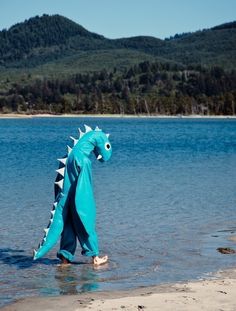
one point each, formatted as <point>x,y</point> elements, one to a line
<point>216,46</point>
<point>54,44</point>
<point>42,39</point>
<point>50,64</point>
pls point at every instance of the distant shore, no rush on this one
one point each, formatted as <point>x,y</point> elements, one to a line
<point>194,116</point>
<point>215,293</point>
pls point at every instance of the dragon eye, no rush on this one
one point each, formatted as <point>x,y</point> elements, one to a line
<point>107,146</point>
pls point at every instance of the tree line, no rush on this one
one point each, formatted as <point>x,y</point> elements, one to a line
<point>146,88</point>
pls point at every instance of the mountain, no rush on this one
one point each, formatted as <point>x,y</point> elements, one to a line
<point>50,64</point>
<point>44,38</point>
<point>54,45</point>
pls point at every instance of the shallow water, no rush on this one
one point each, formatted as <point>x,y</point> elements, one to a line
<point>165,202</point>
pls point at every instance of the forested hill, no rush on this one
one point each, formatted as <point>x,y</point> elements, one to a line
<point>49,39</point>
<point>50,64</point>
<point>47,35</point>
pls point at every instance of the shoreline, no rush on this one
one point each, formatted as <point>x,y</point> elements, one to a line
<point>29,116</point>
<point>214,293</point>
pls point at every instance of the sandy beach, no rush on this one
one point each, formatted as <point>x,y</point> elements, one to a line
<point>26,116</point>
<point>215,293</point>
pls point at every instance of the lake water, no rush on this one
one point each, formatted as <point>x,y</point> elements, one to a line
<point>165,201</point>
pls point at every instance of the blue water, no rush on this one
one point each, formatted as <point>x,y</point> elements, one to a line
<point>165,202</point>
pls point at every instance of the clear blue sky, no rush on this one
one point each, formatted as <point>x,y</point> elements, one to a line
<point>125,18</point>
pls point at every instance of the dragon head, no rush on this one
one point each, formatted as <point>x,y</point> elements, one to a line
<point>97,141</point>
<point>103,149</point>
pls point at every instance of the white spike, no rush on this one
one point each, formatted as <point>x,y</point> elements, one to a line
<point>87,128</point>
<point>107,135</point>
<point>51,221</point>
<point>44,239</point>
<point>97,129</point>
<point>35,252</point>
<point>60,183</point>
<point>99,157</point>
<point>46,230</point>
<point>52,213</point>
<point>61,171</point>
<point>63,161</point>
<point>74,140</point>
<point>55,204</point>
<point>81,134</point>
<point>69,149</point>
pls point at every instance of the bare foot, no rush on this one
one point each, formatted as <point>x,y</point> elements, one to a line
<point>97,261</point>
<point>64,261</point>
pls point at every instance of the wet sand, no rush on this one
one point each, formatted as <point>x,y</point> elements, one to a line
<point>215,293</point>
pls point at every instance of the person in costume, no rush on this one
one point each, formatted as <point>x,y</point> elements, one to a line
<point>74,212</point>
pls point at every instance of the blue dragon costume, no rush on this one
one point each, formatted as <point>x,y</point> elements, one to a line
<point>74,211</point>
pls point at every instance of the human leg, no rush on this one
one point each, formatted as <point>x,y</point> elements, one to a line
<point>88,242</point>
<point>68,240</point>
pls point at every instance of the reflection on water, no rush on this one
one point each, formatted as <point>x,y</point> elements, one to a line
<point>69,282</point>
<point>165,203</point>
